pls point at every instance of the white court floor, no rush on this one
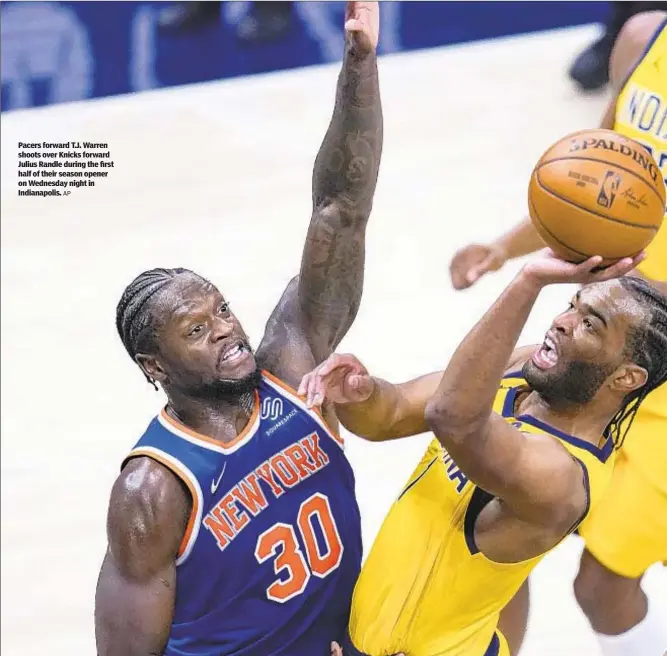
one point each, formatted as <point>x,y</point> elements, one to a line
<point>216,177</point>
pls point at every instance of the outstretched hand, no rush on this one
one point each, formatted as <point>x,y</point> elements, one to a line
<point>471,262</point>
<point>362,24</point>
<point>547,268</point>
<point>340,379</point>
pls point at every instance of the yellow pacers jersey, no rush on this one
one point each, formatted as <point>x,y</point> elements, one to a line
<point>641,114</point>
<point>425,589</point>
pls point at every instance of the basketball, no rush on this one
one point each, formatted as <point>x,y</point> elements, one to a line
<point>596,192</point>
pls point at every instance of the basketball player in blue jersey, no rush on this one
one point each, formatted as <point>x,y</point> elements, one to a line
<point>233,527</point>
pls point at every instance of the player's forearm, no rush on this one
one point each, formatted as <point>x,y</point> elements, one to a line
<point>132,619</point>
<point>347,165</point>
<point>344,180</point>
<point>385,415</point>
<point>127,646</point>
<point>372,418</point>
<point>120,632</point>
<point>521,240</point>
<point>464,399</point>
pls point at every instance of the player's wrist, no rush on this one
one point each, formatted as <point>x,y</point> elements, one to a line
<point>530,279</point>
<point>501,250</point>
<point>365,396</point>
<point>356,54</point>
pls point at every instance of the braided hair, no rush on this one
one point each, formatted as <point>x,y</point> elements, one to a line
<point>135,320</point>
<point>646,346</point>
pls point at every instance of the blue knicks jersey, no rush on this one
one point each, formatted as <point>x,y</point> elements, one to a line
<point>272,550</point>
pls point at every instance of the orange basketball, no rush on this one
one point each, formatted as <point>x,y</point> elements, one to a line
<point>596,192</point>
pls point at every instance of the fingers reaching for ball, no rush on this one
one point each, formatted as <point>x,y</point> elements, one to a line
<point>549,268</point>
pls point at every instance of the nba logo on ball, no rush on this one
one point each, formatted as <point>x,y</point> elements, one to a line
<point>596,192</point>
<point>608,189</point>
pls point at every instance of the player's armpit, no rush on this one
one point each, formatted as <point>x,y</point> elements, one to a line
<point>136,590</point>
<point>285,350</point>
<point>534,475</point>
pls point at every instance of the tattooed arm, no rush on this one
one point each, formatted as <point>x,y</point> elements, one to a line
<point>319,306</point>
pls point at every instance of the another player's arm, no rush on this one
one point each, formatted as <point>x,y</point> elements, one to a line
<point>392,411</point>
<point>536,478</point>
<point>471,262</point>
<point>320,305</point>
<point>344,181</point>
<point>386,411</point>
<point>136,590</point>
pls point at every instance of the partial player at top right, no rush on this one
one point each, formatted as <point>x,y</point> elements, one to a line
<point>627,532</point>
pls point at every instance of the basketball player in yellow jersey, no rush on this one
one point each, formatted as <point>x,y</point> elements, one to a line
<point>628,531</point>
<point>525,446</point>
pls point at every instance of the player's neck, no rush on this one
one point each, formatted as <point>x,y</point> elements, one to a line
<point>586,422</point>
<point>222,420</point>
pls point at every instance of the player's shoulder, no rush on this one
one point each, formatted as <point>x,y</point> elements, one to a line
<point>148,509</point>
<point>643,27</point>
<point>633,43</point>
<point>561,479</point>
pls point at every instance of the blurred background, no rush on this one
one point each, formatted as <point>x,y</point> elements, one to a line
<point>213,113</point>
<point>56,52</point>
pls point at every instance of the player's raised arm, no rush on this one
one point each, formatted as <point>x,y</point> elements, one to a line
<point>344,181</point>
<point>319,306</point>
<point>535,477</point>
<point>136,590</point>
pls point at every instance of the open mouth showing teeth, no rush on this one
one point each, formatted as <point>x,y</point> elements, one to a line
<point>235,353</point>
<point>547,355</point>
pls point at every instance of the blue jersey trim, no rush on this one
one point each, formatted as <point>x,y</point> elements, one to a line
<point>478,501</point>
<point>494,648</point>
<point>430,464</point>
<point>587,487</point>
<point>601,453</point>
<point>514,374</point>
<point>510,400</point>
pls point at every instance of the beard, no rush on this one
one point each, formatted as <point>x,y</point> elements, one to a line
<point>576,384</point>
<point>229,390</point>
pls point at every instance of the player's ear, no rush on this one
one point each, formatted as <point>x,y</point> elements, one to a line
<point>151,366</point>
<point>629,377</point>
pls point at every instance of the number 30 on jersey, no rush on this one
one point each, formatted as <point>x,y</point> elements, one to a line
<point>292,568</point>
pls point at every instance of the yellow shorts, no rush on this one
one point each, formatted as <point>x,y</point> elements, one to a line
<point>627,530</point>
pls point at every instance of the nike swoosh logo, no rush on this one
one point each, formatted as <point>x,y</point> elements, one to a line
<point>215,484</point>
